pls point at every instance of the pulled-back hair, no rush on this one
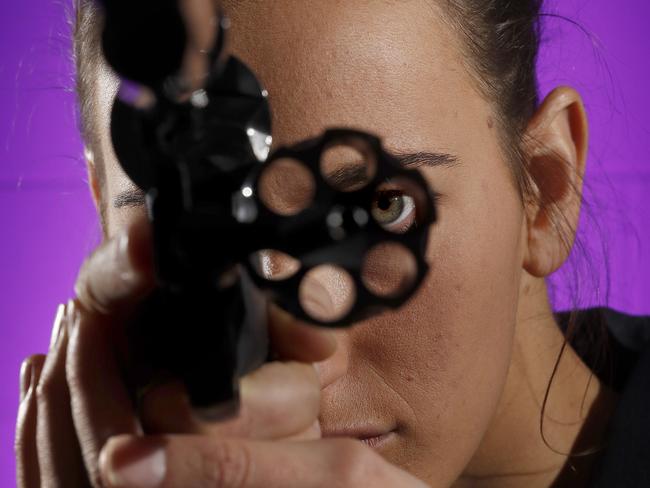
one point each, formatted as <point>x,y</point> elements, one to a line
<point>87,55</point>
<point>501,39</point>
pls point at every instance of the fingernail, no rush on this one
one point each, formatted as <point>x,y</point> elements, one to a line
<point>56,327</point>
<point>139,464</point>
<point>25,378</point>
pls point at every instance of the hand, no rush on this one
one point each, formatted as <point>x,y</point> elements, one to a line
<point>177,461</point>
<point>74,400</point>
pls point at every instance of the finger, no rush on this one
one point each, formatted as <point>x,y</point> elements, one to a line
<point>110,283</point>
<point>200,20</point>
<point>119,273</point>
<point>298,341</point>
<point>278,400</point>
<point>101,405</point>
<point>27,471</point>
<point>59,455</point>
<point>199,461</point>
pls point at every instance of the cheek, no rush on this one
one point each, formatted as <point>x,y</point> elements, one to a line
<point>448,350</point>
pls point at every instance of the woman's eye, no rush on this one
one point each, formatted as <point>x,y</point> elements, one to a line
<point>394,210</point>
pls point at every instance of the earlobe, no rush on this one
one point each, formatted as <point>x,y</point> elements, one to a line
<point>555,146</point>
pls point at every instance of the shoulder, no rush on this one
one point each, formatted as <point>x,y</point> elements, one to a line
<point>625,461</point>
<point>633,332</point>
<point>608,341</point>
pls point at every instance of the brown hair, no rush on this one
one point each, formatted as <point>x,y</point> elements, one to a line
<point>502,40</point>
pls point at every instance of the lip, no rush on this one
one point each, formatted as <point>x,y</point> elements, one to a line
<point>377,441</point>
<point>371,436</point>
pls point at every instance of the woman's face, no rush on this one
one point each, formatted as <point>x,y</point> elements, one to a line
<point>430,374</point>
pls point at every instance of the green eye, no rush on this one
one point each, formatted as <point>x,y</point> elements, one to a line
<point>393,210</point>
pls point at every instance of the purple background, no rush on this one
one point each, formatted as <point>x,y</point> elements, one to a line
<point>48,220</point>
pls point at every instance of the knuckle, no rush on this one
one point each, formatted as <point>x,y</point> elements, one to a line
<point>45,389</point>
<point>85,271</point>
<point>92,274</point>
<point>77,376</point>
<point>85,289</point>
<point>50,384</point>
<point>226,465</point>
<point>113,275</point>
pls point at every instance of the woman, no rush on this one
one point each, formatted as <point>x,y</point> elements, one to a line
<point>451,389</point>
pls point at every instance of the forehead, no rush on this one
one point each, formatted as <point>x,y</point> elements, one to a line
<point>371,64</point>
<point>392,68</point>
<point>387,67</point>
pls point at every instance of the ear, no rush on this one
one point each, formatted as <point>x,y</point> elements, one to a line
<point>93,178</point>
<point>556,142</point>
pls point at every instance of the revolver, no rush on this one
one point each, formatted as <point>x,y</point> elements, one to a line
<point>236,226</point>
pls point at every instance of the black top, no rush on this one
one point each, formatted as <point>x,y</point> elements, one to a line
<point>624,365</point>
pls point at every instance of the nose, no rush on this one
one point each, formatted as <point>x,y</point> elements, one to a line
<point>337,364</point>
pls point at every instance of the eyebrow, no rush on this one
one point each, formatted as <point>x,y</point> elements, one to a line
<point>344,177</point>
<point>425,158</point>
<point>133,197</point>
<point>355,173</point>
